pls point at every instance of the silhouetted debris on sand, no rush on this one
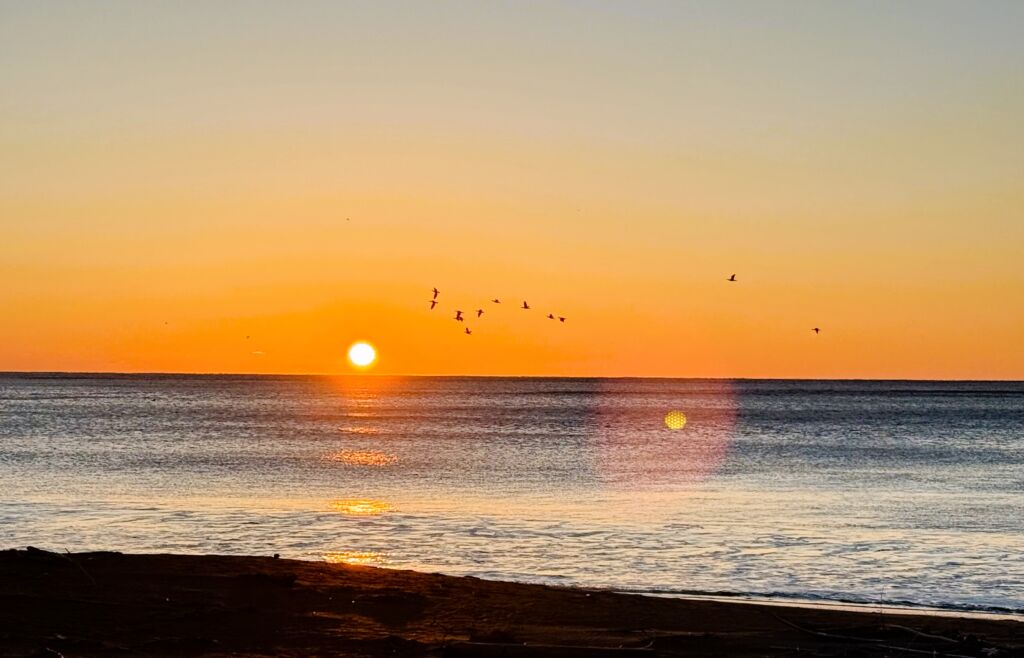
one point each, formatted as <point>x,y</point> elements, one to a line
<point>99,604</point>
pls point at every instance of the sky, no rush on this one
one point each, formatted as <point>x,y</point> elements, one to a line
<point>252,186</point>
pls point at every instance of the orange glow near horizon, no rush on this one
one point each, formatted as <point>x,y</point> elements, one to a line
<point>253,192</point>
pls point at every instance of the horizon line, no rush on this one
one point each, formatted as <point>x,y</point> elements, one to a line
<point>170,373</point>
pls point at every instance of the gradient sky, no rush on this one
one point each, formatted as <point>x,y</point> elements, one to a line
<point>176,176</point>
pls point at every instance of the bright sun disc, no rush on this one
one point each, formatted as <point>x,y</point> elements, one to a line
<point>362,354</point>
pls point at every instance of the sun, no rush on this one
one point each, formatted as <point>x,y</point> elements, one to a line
<point>362,354</point>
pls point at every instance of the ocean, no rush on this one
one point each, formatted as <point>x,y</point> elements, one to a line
<point>862,491</point>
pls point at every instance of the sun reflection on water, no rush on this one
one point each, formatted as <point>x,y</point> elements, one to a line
<point>375,458</point>
<point>361,507</point>
<point>359,430</point>
<point>354,557</point>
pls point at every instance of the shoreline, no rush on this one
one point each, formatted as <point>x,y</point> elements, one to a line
<point>93,604</point>
<point>880,608</point>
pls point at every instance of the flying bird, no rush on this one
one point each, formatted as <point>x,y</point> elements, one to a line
<point>732,278</point>
<point>458,315</point>
<point>816,330</point>
<point>468,332</point>
<point>526,306</point>
<point>551,316</point>
<point>479,312</point>
<point>433,303</point>
<point>496,300</point>
<point>436,293</point>
<point>561,319</point>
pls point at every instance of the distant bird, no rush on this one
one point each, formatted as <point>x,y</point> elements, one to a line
<point>496,300</point>
<point>468,332</point>
<point>816,330</point>
<point>433,303</point>
<point>247,337</point>
<point>526,307</point>
<point>436,293</point>
<point>732,278</point>
<point>561,319</point>
<point>458,315</point>
<point>551,316</point>
<point>479,312</point>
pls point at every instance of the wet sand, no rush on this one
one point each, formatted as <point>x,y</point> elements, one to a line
<point>100,604</point>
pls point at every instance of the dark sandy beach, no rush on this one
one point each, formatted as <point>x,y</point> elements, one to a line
<point>92,604</point>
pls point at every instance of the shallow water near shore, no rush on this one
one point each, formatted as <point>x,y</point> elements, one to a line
<point>856,491</point>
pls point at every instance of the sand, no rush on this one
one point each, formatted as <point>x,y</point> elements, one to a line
<point>100,604</point>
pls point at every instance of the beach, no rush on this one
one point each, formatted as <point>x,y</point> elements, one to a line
<point>97,604</point>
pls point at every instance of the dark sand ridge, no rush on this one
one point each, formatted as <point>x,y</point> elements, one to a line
<point>99,604</point>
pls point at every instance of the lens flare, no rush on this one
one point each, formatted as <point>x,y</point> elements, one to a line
<point>675,420</point>
<point>636,445</point>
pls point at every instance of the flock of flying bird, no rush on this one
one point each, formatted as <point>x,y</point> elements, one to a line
<point>526,307</point>
<point>458,314</point>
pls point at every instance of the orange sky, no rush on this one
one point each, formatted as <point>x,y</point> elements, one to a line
<point>176,178</point>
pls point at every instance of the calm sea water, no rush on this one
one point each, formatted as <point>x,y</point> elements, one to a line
<point>862,491</point>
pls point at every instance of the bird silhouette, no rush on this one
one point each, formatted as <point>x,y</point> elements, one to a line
<point>732,278</point>
<point>433,303</point>
<point>496,300</point>
<point>458,315</point>
<point>436,293</point>
<point>526,306</point>
<point>561,319</point>
<point>479,312</point>
<point>551,316</point>
<point>468,332</point>
<point>816,330</point>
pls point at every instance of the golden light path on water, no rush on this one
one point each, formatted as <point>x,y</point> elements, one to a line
<point>373,458</point>
<point>361,507</point>
<point>354,557</point>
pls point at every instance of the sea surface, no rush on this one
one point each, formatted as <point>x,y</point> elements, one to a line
<point>858,491</point>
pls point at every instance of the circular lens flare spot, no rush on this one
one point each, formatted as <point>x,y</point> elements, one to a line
<point>362,354</point>
<point>675,420</point>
